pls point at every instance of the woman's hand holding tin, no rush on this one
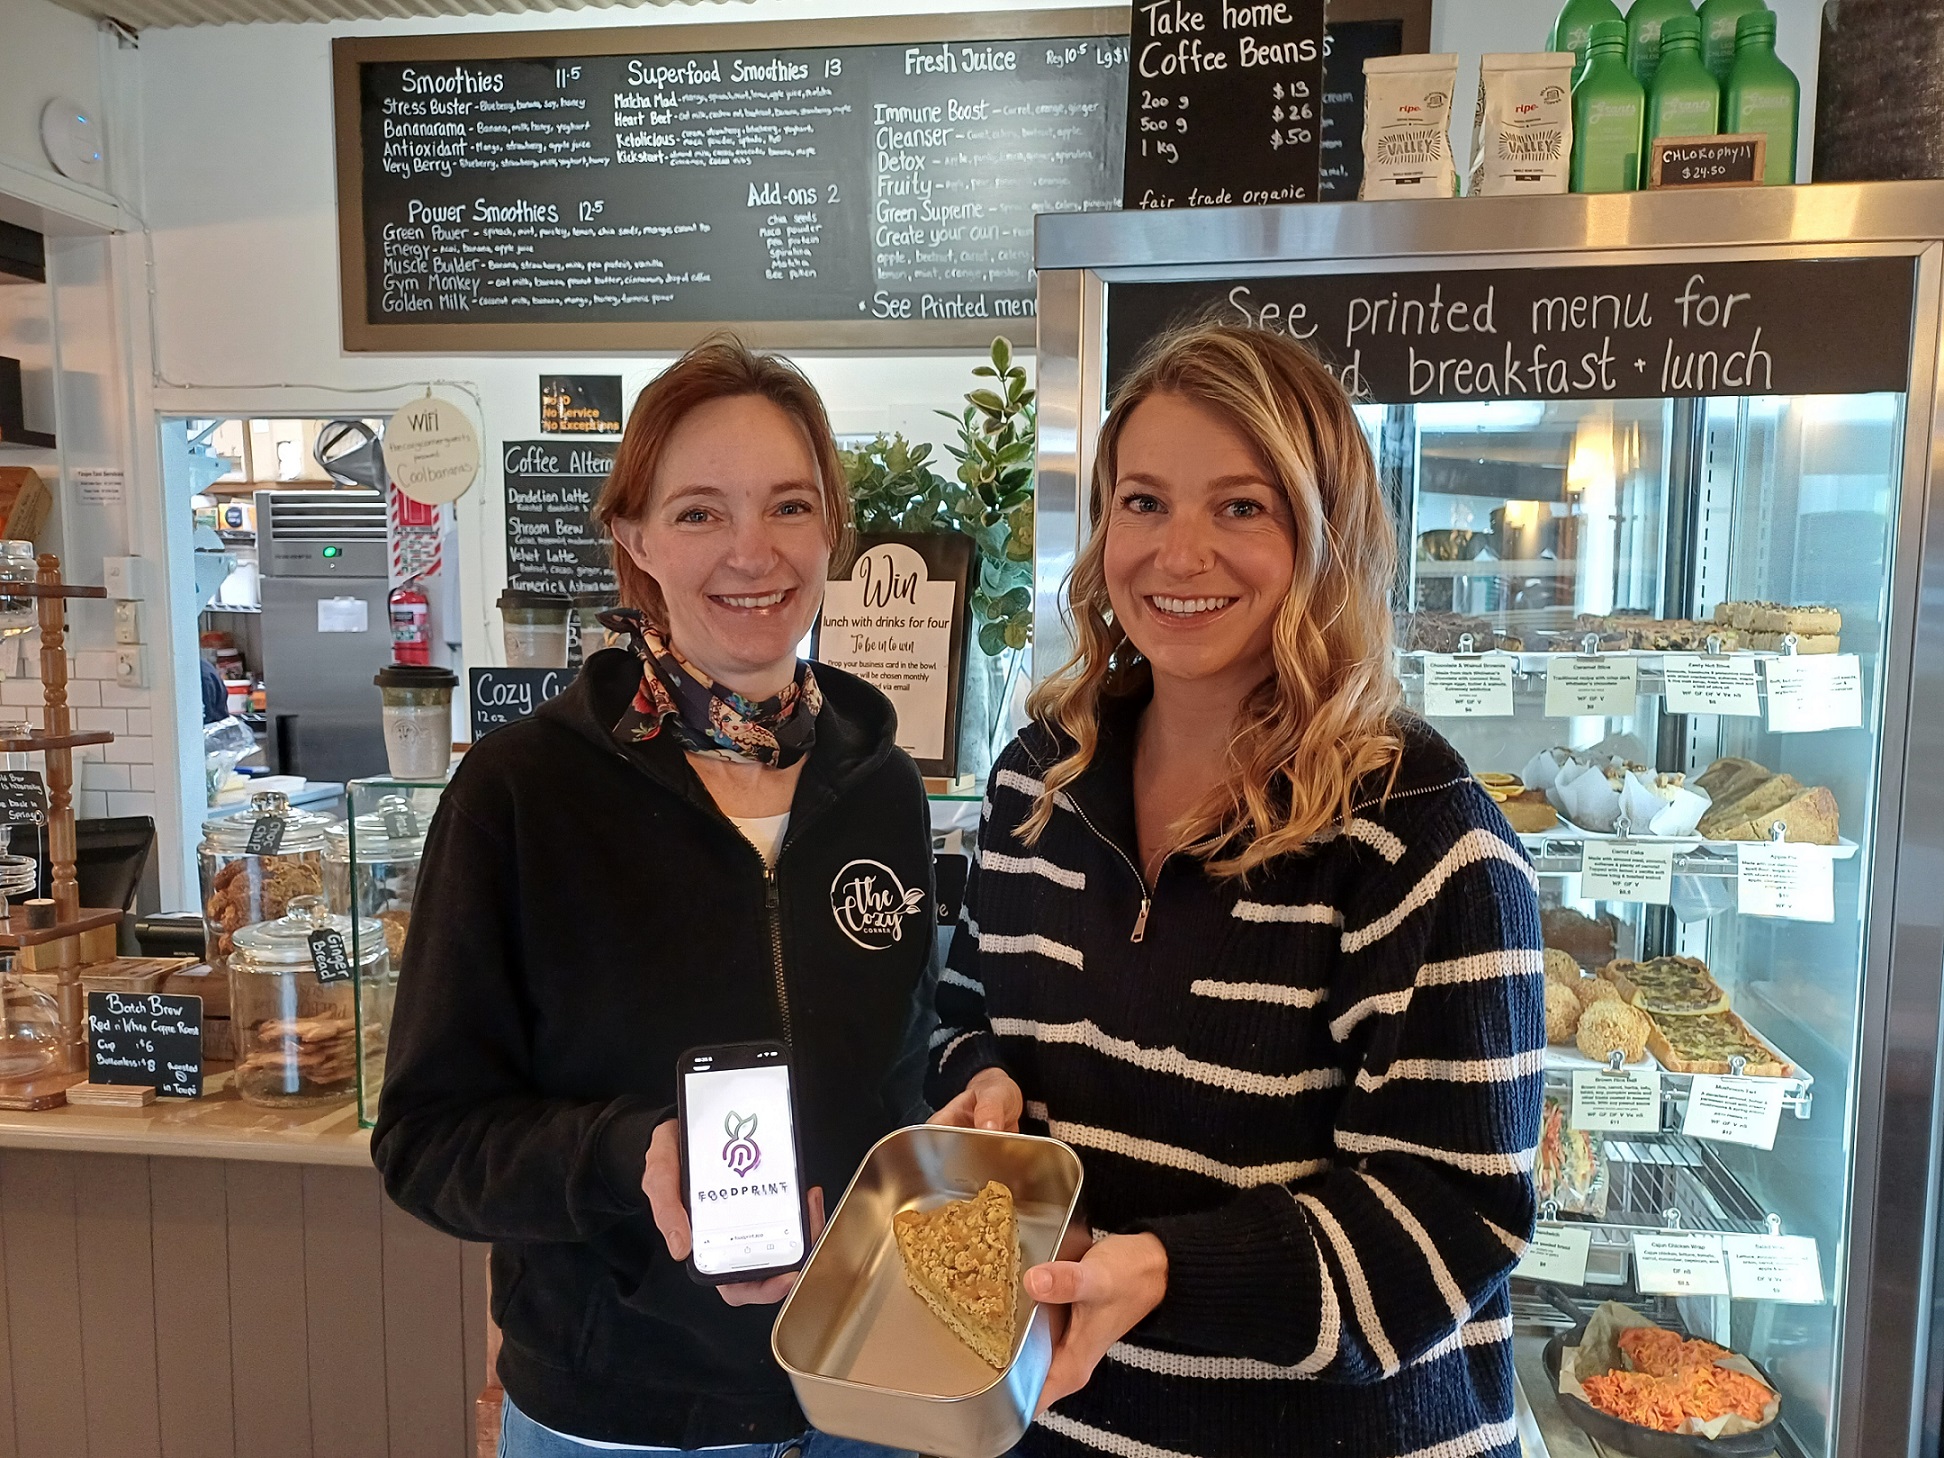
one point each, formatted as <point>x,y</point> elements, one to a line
<point>990,1101</point>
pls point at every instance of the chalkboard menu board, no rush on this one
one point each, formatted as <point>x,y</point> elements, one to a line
<point>146,1039</point>
<point>1650,331</point>
<point>836,183</point>
<point>1224,103</point>
<point>552,544</point>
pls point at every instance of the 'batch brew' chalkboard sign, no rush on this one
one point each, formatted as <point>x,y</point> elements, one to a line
<point>1224,103</point>
<point>861,182</point>
<point>1740,327</point>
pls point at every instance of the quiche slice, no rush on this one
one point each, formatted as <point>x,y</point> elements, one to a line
<point>1707,1043</point>
<point>962,1259</point>
<point>1675,985</point>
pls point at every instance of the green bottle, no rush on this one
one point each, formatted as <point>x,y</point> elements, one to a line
<point>1609,112</point>
<point>1644,21</point>
<point>1718,20</point>
<point>1763,95</point>
<point>1683,99</point>
<point>1575,20</point>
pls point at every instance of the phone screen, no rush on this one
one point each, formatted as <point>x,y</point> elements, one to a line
<point>745,1205</point>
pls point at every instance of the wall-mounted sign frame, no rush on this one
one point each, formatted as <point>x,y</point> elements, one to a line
<point>429,94</point>
<point>896,617</point>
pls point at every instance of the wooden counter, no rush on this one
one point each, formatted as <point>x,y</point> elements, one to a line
<point>219,1125</point>
<point>207,1279</point>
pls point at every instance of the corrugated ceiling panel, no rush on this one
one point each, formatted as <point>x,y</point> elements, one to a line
<point>143,14</point>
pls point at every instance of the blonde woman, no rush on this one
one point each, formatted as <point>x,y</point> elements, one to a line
<point>1252,940</point>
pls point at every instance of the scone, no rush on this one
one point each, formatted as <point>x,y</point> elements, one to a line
<point>962,1259</point>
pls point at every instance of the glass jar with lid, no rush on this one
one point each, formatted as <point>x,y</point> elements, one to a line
<point>30,1028</point>
<point>293,1013</point>
<point>371,862</point>
<point>254,865</point>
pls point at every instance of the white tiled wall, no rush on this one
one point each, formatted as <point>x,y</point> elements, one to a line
<point>110,779</point>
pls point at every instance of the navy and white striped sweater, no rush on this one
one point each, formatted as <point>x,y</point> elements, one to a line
<point>1320,1089</point>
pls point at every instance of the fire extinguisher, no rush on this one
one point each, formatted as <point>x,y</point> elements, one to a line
<point>411,624</point>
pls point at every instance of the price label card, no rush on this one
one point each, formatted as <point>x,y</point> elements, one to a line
<point>1734,1110</point>
<point>1467,688</point>
<point>1704,684</point>
<point>1814,691</point>
<point>1797,882</point>
<point>329,958</point>
<point>1556,1253</point>
<point>1607,684</point>
<point>1627,1102</point>
<point>1774,1268</point>
<point>1627,870</point>
<point>1679,1263</point>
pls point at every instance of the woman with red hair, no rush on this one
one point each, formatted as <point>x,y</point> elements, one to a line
<point>657,860</point>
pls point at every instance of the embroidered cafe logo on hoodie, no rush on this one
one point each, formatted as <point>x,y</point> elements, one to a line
<point>871,904</point>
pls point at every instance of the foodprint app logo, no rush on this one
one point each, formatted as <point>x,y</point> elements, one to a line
<point>871,904</point>
<point>742,1154</point>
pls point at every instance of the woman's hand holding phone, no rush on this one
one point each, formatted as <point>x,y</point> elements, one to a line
<point>990,1101</point>
<point>661,1182</point>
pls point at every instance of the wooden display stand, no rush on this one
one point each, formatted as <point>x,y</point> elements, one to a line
<point>64,937</point>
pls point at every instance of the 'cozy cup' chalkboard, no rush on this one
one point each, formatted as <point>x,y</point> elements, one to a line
<point>846,182</point>
<point>502,696</point>
<point>146,1039</point>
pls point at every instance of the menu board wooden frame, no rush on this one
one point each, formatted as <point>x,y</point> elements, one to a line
<point>348,53</point>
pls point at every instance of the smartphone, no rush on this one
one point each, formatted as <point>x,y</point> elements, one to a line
<point>740,1164</point>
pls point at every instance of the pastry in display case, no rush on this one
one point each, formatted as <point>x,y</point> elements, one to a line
<point>1658,578</point>
<point>371,872</point>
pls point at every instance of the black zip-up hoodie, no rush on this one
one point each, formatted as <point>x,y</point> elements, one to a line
<point>585,913</point>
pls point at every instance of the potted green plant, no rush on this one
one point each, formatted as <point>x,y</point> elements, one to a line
<point>989,498</point>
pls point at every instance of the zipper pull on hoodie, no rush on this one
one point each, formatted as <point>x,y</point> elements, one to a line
<point>1140,922</point>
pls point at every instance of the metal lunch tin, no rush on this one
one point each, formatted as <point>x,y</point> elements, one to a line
<point>867,1358</point>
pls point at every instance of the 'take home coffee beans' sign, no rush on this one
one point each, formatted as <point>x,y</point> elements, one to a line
<point>1224,103</point>
<point>1769,327</point>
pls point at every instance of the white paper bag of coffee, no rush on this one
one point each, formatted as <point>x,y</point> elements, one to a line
<point>1407,126</point>
<point>1522,144</point>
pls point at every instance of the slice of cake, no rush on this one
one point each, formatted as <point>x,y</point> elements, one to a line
<point>963,1259</point>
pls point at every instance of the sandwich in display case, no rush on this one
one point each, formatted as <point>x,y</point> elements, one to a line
<point>1661,467</point>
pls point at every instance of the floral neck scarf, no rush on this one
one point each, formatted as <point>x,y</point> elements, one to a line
<point>704,716</point>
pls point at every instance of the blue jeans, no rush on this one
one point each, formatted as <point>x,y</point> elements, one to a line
<point>521,1437</point>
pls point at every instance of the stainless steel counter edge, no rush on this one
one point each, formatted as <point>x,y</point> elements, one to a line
<point>1232,238</point>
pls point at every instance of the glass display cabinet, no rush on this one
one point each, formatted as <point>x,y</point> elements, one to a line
<point>1661,475</point>
<point>371,875</point>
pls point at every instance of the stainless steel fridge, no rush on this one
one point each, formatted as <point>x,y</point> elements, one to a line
<point>322,556</point>
<point>1663,470</point>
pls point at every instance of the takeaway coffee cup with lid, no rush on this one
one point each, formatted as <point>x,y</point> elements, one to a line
<point>536,628</point>
<point>417,710</point>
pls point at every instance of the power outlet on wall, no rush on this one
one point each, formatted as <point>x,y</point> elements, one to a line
<point>128,668</point>
<point>128,622</point>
